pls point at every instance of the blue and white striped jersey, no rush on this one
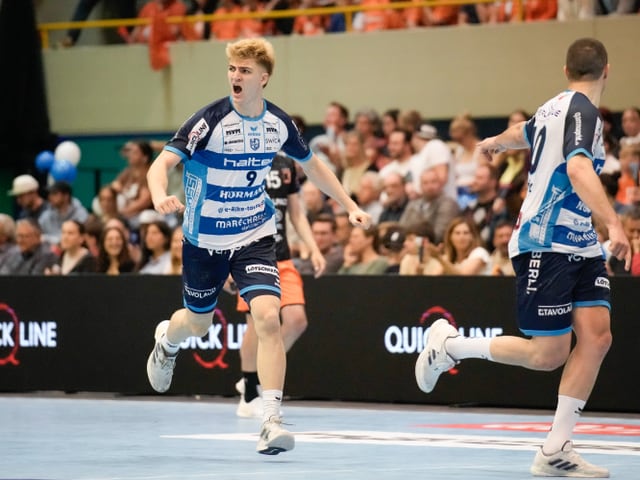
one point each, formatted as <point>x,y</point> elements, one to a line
<point>552,217</point>
<point>227,158</point>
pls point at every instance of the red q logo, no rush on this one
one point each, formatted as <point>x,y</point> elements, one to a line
<point>439,312</point>
<point>11,357</point>
<point>219,360</point>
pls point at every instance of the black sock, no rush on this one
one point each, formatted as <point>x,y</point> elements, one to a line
<point>251,383</point>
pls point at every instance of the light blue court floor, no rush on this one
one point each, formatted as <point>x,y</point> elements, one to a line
<point>69,437</point>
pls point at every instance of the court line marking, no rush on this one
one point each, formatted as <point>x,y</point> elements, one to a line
<point>367,437</point>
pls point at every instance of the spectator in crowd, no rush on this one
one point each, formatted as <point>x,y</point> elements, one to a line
<point>92,232</point>
<point>330,146</point>
<point>113,256</point>
<point>628,181</point>
<point>611,150</point>
<point>463,252</point>
<point>308,25</point>
<point>75,257</point>
<point>539,10</point>
<point>119,8</point>
<point>367,123</point>
<point>368,195</point>
<point>394,198</point>
<point>486,209</point>
<point>105,205</point>
<point>433,206</point>
<point>323,229</point>
<point>389,122</point>
<point>7,236</point>
<point>440,15</point>
<point>617,7</point>
<point>409,120</point>
<point>343,227</point>
<point>132,239</point>
<point>500,261</point>
<point>156,254</point>
<point>513,167</point>
<point>372,20</point>
<point>575,9</point>
<point>226,29</point>
<point>201,29</point>
<point>631,127</point>
<point>165,32</point>
<point>392,246</point>
<point>313,200</point>
<point>354,161</point>
<point>131,182</point>
<point>33,256</point>
<point>25,190</point>
<point>63,206</point>
<point>464,133</point>
<point>631,225</point>
<point>610,184</point>
<point>400,152</point>
<point>431,153</point>
<point>418,260</point>
<point>361,255</point>
<point>175,250</point>
<point>252,27</point>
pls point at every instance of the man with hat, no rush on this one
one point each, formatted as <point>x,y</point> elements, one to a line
<point>431,152</point>
<point>63,207</point>
<point>25,189</point>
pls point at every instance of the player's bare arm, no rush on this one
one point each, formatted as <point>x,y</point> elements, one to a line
<point>587,185</point>
<point>157,180</point>
<point>302,227</point>
<point>511,139</point>
<point>326,181</point>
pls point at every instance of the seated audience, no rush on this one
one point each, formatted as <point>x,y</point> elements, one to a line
<point>75,257</point>
<point>631,225</point>
<point>7,237</point>
<point>500,261</point>
<point>33,256</point>
<point>368,195</point>
<point>418,260</point>
<point>113,256</point>
<point>392,246</point>
<point>463,253</point>
<point>361,255</point>
<point>175,249</point>
<point>323,229</point>
<point>63,206</point>
<point>394,198</point>
<point>156,254</point>
<point>30,203</point>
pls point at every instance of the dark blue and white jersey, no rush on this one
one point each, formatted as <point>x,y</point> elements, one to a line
<point>552,217</point>
<point>227,157</point>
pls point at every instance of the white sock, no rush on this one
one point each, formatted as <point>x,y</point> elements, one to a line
<point>271,401</point>
<point>567,414</point>
<point>170,348</point>
<point>461,347</point>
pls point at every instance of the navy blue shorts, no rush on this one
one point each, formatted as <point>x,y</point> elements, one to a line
<point>550,285</point>
<point>253,267</point>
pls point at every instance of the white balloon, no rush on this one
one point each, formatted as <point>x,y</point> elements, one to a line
<point>68,150</point>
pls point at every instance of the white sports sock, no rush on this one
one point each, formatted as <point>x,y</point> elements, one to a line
<point>461,347</point>
<point>170,348</point>
<point>271,401</point>
<point>567,414</point>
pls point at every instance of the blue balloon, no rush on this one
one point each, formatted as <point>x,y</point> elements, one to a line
<point>63,171</point>
<point>44,161</point>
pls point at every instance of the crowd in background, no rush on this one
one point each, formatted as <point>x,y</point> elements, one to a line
<point>159,31</point>
<point>437,206</point>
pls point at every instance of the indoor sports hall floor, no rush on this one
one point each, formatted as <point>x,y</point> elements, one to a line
<point>70,437</point>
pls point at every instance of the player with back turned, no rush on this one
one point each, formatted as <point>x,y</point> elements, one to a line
<point>561,283</point>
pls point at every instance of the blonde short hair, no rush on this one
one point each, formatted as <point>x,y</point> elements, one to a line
<point>257,49</point>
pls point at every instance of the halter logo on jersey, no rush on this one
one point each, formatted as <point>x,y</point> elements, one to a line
<point>198,132</point>
<point>577,117</point>
<point>602,282</point>
<point>247,162</point>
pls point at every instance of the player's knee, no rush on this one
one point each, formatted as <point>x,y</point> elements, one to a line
<point>601,343</point>
<point>547,361</point>
<point>268,322</point>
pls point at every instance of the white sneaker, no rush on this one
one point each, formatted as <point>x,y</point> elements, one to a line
<point>252,409</point>
<point>565,463</point>
<point>434,360</point>
<point>274,439</point>
<point>160,365</point>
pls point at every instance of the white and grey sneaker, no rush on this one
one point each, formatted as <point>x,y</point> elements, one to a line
<point>252,409</point>
<point>434,360</point>
<point>274,439</point>
<point>565,463</point>
<point>160,365</point>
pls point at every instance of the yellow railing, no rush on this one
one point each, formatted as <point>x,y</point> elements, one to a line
<point>46,28</point>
